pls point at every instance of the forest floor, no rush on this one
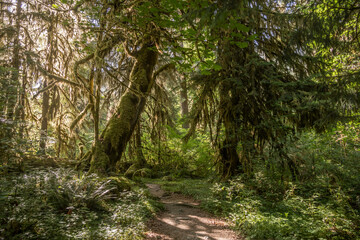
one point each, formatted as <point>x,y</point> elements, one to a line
<point>182,219</point>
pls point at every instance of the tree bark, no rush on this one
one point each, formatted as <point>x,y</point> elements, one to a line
<point>229,158</point>
<point>44,119</point>
<point>140,158</point>
<point>46,94</point>
<point>14,79</point>
<point>122,123</point>
<point>184,103</point>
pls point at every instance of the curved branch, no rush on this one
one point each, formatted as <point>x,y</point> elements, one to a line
<point>49,75</point>
<point>80,116</point>
<point>163,68</point>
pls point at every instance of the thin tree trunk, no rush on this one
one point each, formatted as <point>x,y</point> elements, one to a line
<point>14,79</point>
<point>98,66</point>
<point>20,111</point>
<point>46,94</point>
<point>184,103</point>
<point>141,161</point>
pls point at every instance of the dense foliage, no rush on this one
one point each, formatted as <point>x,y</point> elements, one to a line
<point>323,204</point>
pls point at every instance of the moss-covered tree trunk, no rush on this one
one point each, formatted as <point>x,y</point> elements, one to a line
<point>122,124</point>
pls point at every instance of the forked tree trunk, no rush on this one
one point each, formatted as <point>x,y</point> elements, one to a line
<point>122,124</point>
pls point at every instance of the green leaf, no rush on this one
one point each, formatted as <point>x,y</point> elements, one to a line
<point>217,67</point>
<point>242,27</point>
<point>205,72</point>
<point>242,44</point>
<point>252,37</point>
<point>55,6</point>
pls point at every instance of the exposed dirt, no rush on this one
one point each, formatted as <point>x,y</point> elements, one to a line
<point>183,220</point>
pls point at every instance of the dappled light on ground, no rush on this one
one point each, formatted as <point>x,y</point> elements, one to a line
<point>183,220</point>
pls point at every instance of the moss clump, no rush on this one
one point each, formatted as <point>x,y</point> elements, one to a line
<point>120,183</point>
<point>131,170</point>
<point>136,170</point>
<point>168,178</point>
<point>143,172</point>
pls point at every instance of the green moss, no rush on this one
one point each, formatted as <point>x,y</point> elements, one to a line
<point>140,80</point>
<point>121,183</point>
<point>131,170</point>
<point>120,125</point>
<point>115,131</point>
<point>143,172</point>
<point>99,161</point>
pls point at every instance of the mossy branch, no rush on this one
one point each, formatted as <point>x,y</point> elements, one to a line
<point>80,117</point>
<point>163,68</point>
<point>49,75</point>
<point>102,51</point>
<point>133,54</point>
<point>51,85</point>
<point>123,84</point>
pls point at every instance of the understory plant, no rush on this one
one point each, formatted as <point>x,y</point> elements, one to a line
<point>62,204</point>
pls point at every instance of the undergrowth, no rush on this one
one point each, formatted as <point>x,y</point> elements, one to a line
<point>60,204</point>
<point>322,203</point>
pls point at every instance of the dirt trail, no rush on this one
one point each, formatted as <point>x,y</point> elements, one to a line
<point>183,220</point>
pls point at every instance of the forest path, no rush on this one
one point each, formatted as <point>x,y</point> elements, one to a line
<point>184,220</point>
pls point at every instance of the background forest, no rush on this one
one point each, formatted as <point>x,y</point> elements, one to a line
<point>249,106</point>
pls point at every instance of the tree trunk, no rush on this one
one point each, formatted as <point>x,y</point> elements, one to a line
<point>229,158</point>
<point>46,94</point>
<point>184,103</point>
<point>14,79</point>
<point>122,123</point>
<point>141,161</point>
<point>44,119</point>
<point>20,110</point>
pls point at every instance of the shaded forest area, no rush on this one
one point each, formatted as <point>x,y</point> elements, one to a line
<point>250,107</point>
